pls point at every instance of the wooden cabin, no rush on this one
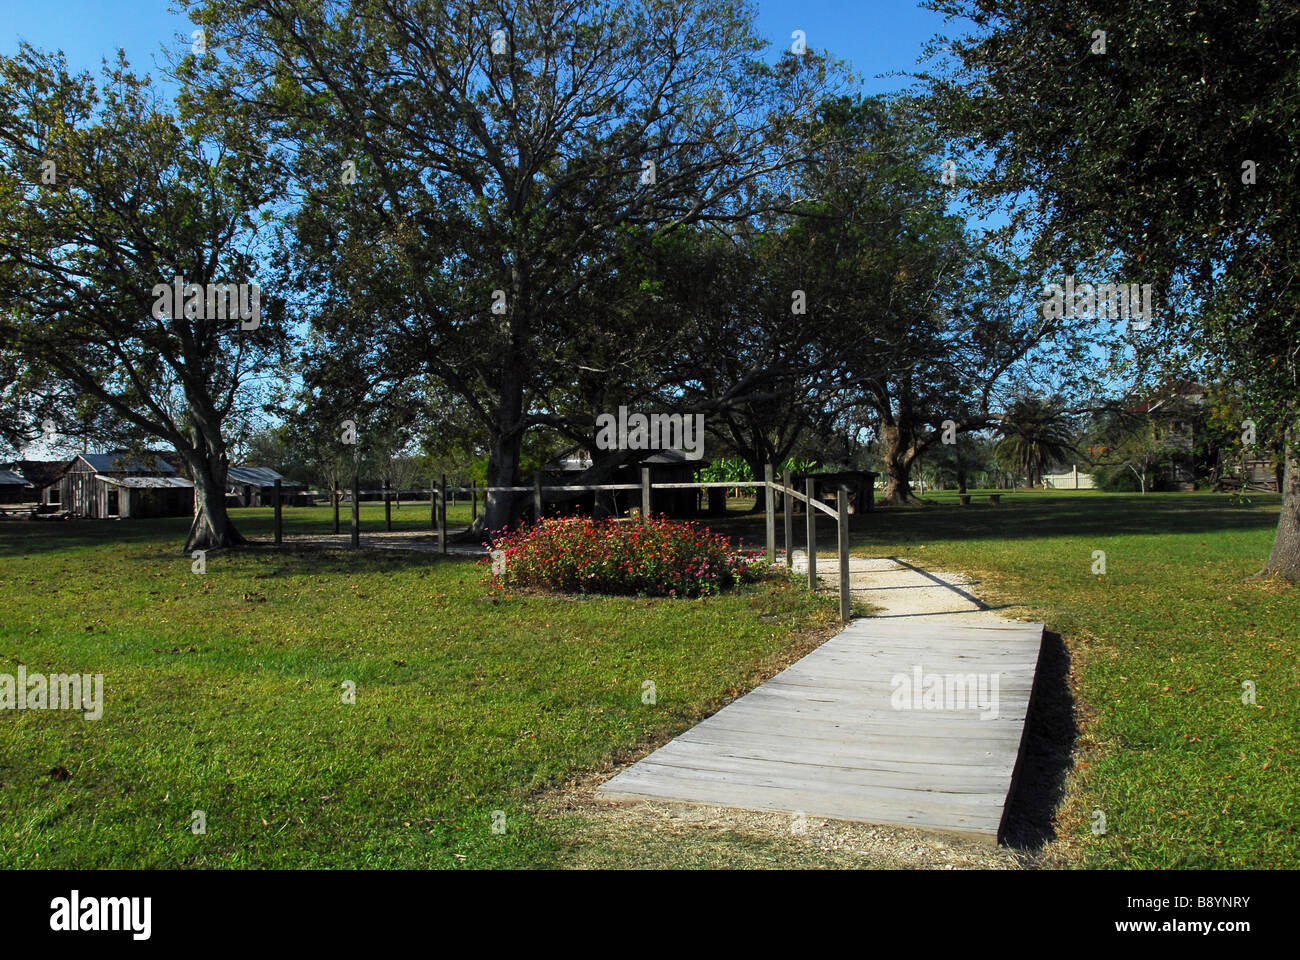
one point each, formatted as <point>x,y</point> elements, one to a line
<point>42,476</point>
<point>14,488</point>
<point>104,485</point>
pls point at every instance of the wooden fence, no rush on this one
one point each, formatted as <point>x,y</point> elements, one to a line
<point>770,486</point>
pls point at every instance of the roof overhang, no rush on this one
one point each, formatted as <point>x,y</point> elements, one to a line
<point>147,483</point>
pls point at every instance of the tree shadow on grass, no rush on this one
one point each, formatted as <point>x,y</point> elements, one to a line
<point>1030,518</point>
<point>21,537</point>
<point>1038,786</point>
<point>291,560</point>
<point>1091,517</point>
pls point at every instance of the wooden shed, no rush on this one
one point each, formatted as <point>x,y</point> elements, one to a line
<point>102,485</point>
<point>43,476</point>
<point>255,487</point>
<point>14,488</point>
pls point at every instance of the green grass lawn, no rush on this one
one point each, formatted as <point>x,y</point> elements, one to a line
<point>223,691</point>
<point>224,694</point>
<point>1184,772</point>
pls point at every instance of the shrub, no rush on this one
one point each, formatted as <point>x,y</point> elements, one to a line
<point>1117,479</point>
<point>656,557</point>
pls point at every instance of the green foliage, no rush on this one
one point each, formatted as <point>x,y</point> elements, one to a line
<point>726,468</point>
<point>1035,435</point>
<point>1174,147</point>
<point>1117,478</point>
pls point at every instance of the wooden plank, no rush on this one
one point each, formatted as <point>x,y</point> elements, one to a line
<point>824,738</point>
<point>900,807</point>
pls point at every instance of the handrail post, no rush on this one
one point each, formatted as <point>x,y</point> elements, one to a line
<point>356,511</point>
<point>768,471</point>
<point>442,513</point>
<point>473,502</point>
<point>842,505</point>
<point>279,521</point>
<point>810,488</point>
<point>645,493</point>
<point>787,485</point>
<point>433,504</point>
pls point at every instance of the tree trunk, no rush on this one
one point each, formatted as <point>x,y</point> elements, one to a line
<point>501,510</point>
<point>961,480</point>
<point>898,456</point>
<point>1284,560</point>
<point>212,525</point>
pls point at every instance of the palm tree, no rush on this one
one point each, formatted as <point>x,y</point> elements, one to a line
<point>1035,434</point>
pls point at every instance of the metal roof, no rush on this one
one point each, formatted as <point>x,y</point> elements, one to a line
<point>39,473</point>
<point>147,483</point>
<point>121,463</point>
<point>258,477</point>
<point>9,478</point>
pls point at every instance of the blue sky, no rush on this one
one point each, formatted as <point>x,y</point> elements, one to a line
<point>874,36</point>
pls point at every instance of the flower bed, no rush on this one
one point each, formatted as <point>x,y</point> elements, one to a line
<point>655,557</point>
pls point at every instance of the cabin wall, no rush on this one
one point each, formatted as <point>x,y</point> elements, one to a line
<point>164,502</point>
<point>14,493</point>
<point>81,494</point>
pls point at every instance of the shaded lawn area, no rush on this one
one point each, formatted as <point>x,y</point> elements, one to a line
<point>1184,772</point>
<point>223,693</point>
<point>316,520</point>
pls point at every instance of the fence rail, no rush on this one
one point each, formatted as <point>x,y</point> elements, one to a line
<point>770,486</point>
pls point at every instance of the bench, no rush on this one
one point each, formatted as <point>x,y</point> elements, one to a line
<point>965,498</point>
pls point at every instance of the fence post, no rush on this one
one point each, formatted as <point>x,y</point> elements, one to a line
<point>842,505</point>
<point>810,488</point>
<point>279,520</point>
<point>388,509</point>
<point>334,496</point>
<point>788,501</point>
<point>473,502</point>
<point>442,513</point>
<point>771,512</point>
<point>645,493</point>
<point>356,512</point>
<point>537,497</point>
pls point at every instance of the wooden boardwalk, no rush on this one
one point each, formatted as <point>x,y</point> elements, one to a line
<point>832,735</point>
